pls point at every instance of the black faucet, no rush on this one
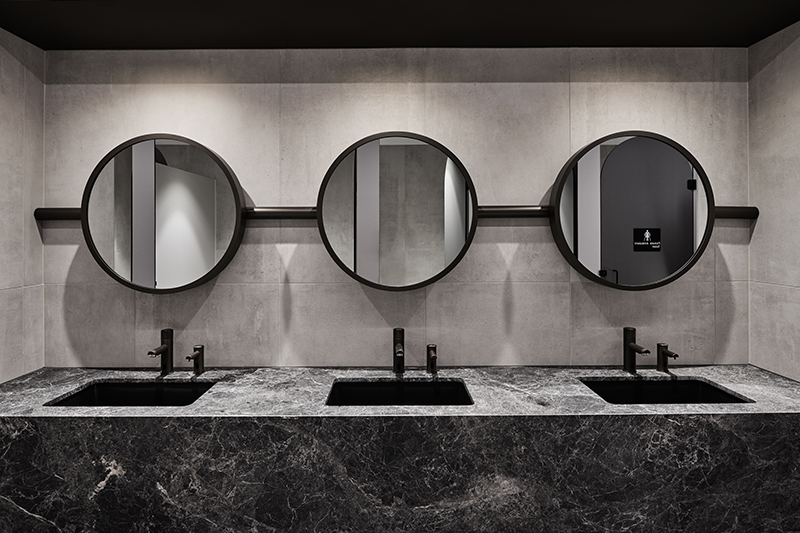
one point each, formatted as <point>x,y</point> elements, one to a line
<point>630,349</point>
<point>431,360</point>
<point>197,359</point>
<point>165,351</point>
<point>662,356</point>
<point>398,353</point>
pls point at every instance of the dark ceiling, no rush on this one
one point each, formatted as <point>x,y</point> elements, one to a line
<point>210,24</point>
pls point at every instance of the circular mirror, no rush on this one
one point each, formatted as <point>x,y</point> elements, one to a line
<point>397,211</point>
<point>633,210</point>
<point>162,213</point>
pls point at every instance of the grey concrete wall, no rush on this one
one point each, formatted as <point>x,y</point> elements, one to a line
<point>339,208</point>
<point>21,182</point>
<point>279,118</point>
<point>774,69</point>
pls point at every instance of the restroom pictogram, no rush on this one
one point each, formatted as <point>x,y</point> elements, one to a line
<point>646,239</point>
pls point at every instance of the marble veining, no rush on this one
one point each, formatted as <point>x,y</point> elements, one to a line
<point>535,453</point>
<point>497,391</point>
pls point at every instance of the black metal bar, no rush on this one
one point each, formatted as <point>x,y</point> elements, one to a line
<point>57,213</point>
<point>281,212</point>
<point>514,211</point>
<point>488,211</point>
<point>728,211</point>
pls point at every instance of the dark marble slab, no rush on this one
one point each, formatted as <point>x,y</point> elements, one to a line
<point>575,467</point>
<point>656,473</point>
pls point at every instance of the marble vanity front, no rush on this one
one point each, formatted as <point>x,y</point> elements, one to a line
<point>538,451</point>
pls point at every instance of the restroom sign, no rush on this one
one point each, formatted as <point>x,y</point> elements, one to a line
<point>646,239</point>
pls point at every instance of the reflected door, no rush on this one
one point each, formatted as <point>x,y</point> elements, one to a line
<point>185,225</point>
<point>647,213</point>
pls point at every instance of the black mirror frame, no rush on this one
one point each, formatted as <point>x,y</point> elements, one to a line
<point>238,230</point>
<point>470,234</point>
<point>558,231</point>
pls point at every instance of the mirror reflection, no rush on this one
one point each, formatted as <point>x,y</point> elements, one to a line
<point>161,213</point>
<point>397,212</point>
<point>634,211</point>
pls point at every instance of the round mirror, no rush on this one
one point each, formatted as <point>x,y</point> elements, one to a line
<point>397,211</point>
<point>633,210</point>
<point>162,213</point>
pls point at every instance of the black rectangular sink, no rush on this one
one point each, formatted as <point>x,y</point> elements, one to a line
<point>107,394</point>
<point>676,391</point>
<point>399,392</point>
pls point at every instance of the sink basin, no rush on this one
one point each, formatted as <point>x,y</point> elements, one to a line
<point>632,391</point>
<point>134,394</point>
<point>399,392</point>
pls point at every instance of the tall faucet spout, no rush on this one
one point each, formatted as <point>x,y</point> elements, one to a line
<point>638,349</point>
<point>630,349</point>
<point>155,352</point>
<point>165,351</point>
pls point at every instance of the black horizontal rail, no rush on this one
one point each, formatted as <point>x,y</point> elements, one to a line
<point>489,211</point>
<point>728,211</point>
<point>514,211</point>
<point>57,213</point>
<point>271,213</point>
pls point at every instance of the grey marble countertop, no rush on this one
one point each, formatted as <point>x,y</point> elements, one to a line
<point>301,392</point>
